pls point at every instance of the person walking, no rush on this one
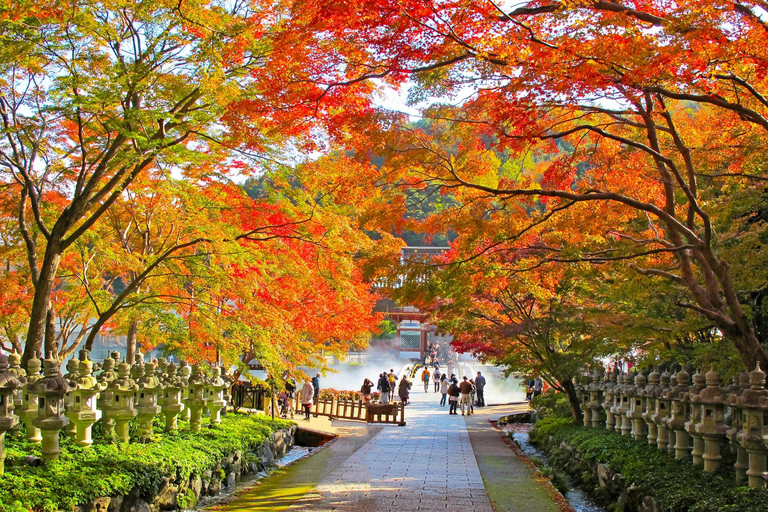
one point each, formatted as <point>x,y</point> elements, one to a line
<point>453,396</point>
<point>444,383</point>
<point>480,385</point>
<point>538,385</point>
<point>465,387</point>
<point>385,388</point>
<point>425,378</point>
<point>403,389</point>
<point>365,390</point>
<point>306,395</point>
<point>392,380</point>
<point>316,386</point>
<point>436,378</point>
<point>472,395</point>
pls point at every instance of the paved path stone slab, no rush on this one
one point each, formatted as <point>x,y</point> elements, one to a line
<point>427,465</point>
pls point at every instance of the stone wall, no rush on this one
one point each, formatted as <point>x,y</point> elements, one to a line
<point>175,495</point>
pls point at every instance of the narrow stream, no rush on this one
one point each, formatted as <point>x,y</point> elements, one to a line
<point>578,499</point>
<point>293,454</point>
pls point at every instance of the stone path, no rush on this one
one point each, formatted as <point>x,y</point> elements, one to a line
<point>427,465</point>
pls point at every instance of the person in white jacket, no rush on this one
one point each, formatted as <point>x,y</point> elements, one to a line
<point>305,395</point>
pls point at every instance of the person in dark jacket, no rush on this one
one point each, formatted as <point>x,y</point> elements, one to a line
<point>365,390</point>
<point>402,390</point>
<point>385,388</point>
<point>453,396</point>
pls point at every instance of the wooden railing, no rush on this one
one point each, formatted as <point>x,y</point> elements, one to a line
<point>356,410</point>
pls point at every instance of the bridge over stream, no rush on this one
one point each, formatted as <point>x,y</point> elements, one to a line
<point>436,462</point>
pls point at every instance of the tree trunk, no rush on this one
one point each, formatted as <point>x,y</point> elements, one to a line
<point>130,342</point>
<point>51,346</point>
<point>573,400</point>
<point>38,315</point>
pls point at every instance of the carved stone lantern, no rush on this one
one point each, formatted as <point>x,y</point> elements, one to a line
<point>214,400</point>
<point>195,400</point>
<point>678,414</point>
<point>595,400</point>
<point>649,395</point>
<point>661,413</point>
<point>28,410</point>
<point>170,403</point>
<point>184,372</point>
<point>625,391</point>
<point>73,368</point>
<point>636,408</point>
<point>580,386</point>
<point>711,403</point>
<point>9,383</point>
<point>122,411</point>
<point>106,397</point>
<point>83,412</point>
<point>228,390</point>
<point>14,368</point>
<point>149,389</point>
<point>736,425</point>
<point>753,436</point>
<point>50,390</point>
<point>608,392</point>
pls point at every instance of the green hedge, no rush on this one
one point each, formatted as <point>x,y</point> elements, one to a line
<point>82,474</point>
<point>677,486</point>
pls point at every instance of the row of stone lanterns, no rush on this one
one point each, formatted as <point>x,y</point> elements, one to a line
<point>686,419</point>
<point>118,394</point>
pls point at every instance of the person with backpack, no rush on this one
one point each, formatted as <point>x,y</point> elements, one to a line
<point>436,378</point>
<point>453,396</point>
<point>425,378</point>
<point>392,380</point>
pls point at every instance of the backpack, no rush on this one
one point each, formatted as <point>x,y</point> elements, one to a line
<point>391,378</point>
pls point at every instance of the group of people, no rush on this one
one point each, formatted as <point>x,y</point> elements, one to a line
<point>308,395</point>
<point>466,394</point>
<point>533,388</point>
<point>386,387</point>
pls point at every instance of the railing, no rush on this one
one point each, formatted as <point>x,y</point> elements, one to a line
<point>356,410</point>
<point>245,394</point>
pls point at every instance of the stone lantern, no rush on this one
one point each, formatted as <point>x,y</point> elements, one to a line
<point>737,424</point>
<point>678,414</point>
<point>162,369</point>
<point>214,401</point>
<point>694,417</point>
<point>170,404</point>
<point>228,390</point>
<point>106,397</point>
<point>122,411</point>
<point>73,367</point>
<point>636,409</point>
<point>661,413</point>
<point>149,387</point>
<point>50,390</point>
<point>711,403</point>
<point>580,385</point>
<point>83,412</point>
<point>753,436</point>
<point>14,368</point>
<point>195,400</point>
<point>28,410</point>
<point>649,395</point>
<point>9,383</point>
<point>595,398</point>
<point>608,392</point>
<point>625,390</point>
<point>184,372</point>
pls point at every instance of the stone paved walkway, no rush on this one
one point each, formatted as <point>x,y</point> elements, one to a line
<point>427,465</point>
